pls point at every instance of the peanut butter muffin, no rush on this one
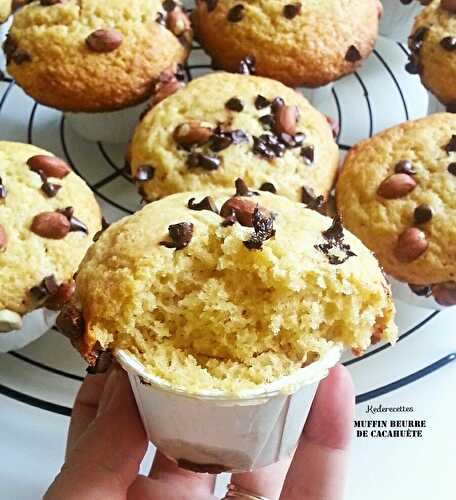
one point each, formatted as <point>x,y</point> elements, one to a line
<point>48,217</point>
<point>397,193</point>
<point>227,290</point>
<point>433,47</point>
<point>309,43</point>
<point>96,55</point>
<point>223,126</point>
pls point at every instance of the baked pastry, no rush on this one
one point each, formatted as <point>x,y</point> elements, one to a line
<point>48,217</point>
<point>223,126</point>
<point>5,10</point>
<point>397,193</point>
<point>226,291</point>
<point>96,55</point>
<point>298,43</point>
<point>433,50</point>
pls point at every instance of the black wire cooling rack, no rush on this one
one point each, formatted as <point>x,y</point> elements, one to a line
<point>383,69</point>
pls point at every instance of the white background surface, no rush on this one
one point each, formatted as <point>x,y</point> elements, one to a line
<point>32,440</point>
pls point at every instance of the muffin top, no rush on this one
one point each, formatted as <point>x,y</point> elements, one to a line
<point>227,301</point>
<point>433,46</point>
<point>397,193</point>
<point>95,55</point>
<point>307,43</point>
<point>48,217</point>
<point>223,126</point>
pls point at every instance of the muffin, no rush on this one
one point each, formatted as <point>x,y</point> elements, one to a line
<point>433,51</point>
<point>397,192</point>
<point>223,126</point>
<point>48,217</point>
<point>300,43</point>
<point>97,56</point>
<point>216,290</point>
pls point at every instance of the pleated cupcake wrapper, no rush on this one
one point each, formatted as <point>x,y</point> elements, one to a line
<point>402,292</point>
<point>398,19</point>
<point>34,325</point>
<point>213,432</point>
<point>318,95</point>
<point>115,127</point>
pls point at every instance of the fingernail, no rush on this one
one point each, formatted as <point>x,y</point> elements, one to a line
<point>111,387</point>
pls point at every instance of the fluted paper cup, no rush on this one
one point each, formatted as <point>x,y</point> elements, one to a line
<point>115,127</point>
<point>214,432</point>
<point>34,324</point>
<point>318,95</point>
<point>403,292</point>
<point>397,20</point>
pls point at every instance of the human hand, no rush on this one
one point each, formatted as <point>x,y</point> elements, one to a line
<point>107,442</point>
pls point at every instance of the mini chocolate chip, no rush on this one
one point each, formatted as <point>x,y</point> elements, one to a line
<point>312,201</point>
<point>353,54</point>
<point>267,120</point>
<point>263,226</point>
<point>169,5</point>
<point>269,187</point>
<point>21,56</point>
<point>451,169</point>
<point>242,188</point>
<point>421,290</point>
<point>48,3</point>
<point>449,43</point>
<point>261,102</point>
<point>413,66</point>
<point>334,240</point>
<point>416,40</point>
<point>451,146</point>
<point>291,10</point>
<point>209,162</point>
<point>247,65</point>
<point>404,167</point>
<point>71,322</point>
<point>236,13</point>
<point>144,173</point>
<point>308,153</point>
<point>50,189</point>
<point>422,214</point>
<point>75,223</point>
<point>181,235</point>
<point>104,225</point>
<point>206,203</point>
<point>103,41</point>
<point>160,19</point>
<point>234,104</point>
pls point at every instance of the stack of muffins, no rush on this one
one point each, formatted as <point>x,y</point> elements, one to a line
<point>102,62</point>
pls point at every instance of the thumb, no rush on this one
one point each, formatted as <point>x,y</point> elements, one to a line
<point>106,458</point>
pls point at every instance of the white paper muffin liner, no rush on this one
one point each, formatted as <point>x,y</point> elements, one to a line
<point>318,95</point>
<point>214,432</point>
<point>397,20</point>
<point>34,325</point>
<point>115,127</point>
<point>435,106</point>
<point>402,292</point>
<point>4,28</point>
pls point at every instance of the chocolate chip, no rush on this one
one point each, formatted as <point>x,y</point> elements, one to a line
<point>413,66</point>
<point>21,56</point>
<point>75,223</point>
<point>234,104</point>
<point>404,167</point>
<point>181,235</point>
<point>3,191</point>
<point>203,161</point>
<point>242,189</point>
<point>268,146</point>
<point>50,189</point>
<point>334,236</point>
<point>247,65</point>
<point>290,11</point>
<point>102,363</point>
<point>416,40</point>
<point>48,286</point>
<point>353,54</point>
<point>266,120</point>
<point>422,214</point>
<point>269,187</point>
<point>206,203</point>
<point>103,41</point>
<point>48,3</point>
<point>449,43</point>
<point>451,169</point>
<point>312,201</point>
<point>169,5</point>
<point>71,322</point>
<point>421,290</point>
<point>160,19</point>
<point>144,173</point>
<point>451,146</point>
<point>308,153</point>
<point>236,13</point>
<point>261,102</point>
<point>104,225</point>
<point>263,226</point>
